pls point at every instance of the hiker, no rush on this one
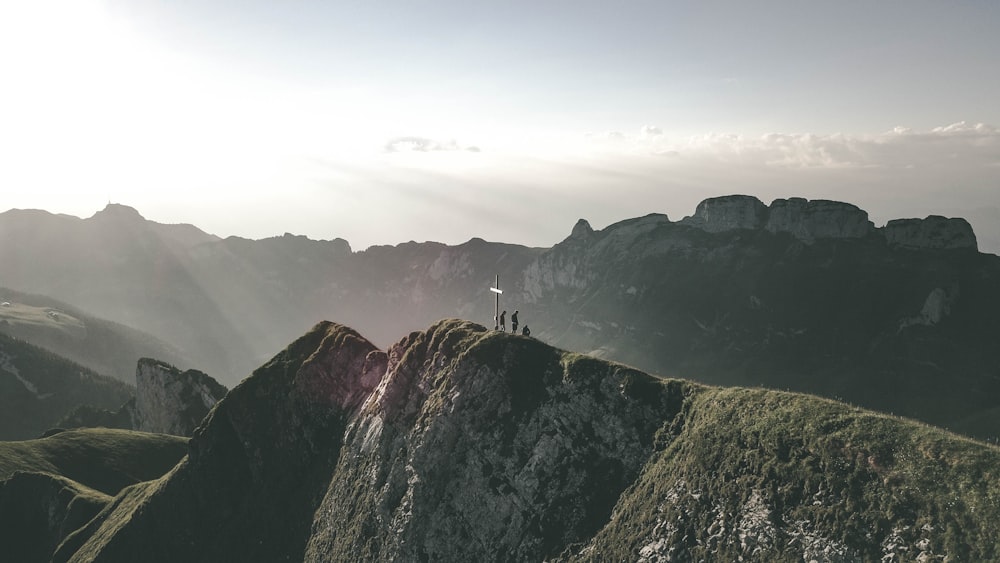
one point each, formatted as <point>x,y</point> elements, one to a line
<point>525,331</point>
<point>503,321</point>
<point>513,323</point>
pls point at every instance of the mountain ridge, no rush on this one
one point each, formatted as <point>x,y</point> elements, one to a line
<point>462,442</point>
<point>871,319</point>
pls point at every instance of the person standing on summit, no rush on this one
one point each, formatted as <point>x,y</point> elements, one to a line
<point>503,321</point>
<point>513,323</point>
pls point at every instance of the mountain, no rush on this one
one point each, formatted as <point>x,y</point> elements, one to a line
<point>52,486</point>
<point>898,319</point>
<point>38,388</point>
<point>800,295</point>
<point>121,267</point>
<point>101,345</point>
<point>462,443</point>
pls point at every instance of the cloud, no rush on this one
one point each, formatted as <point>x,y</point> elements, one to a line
<point>424,144</point>
<point>962,143</point>
<point>649,131</point>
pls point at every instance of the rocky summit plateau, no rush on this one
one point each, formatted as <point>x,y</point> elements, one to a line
<point>461,443</point>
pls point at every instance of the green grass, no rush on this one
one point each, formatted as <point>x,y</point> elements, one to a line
<point>103,459</point>
<point>823,469</point>
<point>18,315</point>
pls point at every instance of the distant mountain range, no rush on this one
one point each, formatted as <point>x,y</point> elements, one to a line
<point>800,295</point>
<point>461,443</point>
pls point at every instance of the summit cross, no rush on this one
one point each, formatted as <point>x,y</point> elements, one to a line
<point>496,313</point>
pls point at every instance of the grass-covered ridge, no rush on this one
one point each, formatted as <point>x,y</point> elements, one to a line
<point>100,458</point>
<point>53,486</point>
<point>797,476</point>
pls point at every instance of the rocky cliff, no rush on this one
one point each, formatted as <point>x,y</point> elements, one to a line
<point>728,213</point>
<point>803,219</point>
<point>462,443</point>
<point>171,401</point>
<point>167,401</point>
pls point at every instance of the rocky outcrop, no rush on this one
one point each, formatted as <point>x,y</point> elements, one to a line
<point>728,213</point>
<point>171,401</point>
<point>581,230</point>
<point>934,232</point>
<point>810,220</point>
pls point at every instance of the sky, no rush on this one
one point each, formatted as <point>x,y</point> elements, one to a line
<point>387,121</point>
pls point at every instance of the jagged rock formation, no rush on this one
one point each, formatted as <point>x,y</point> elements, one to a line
<point>934,232</point>
<point>167,401</point>
<point>171,401</point>
<point>466,444</point>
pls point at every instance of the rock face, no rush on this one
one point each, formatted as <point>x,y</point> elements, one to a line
<point>934,232</point>
<point>810,220</point>
<point>467,444</point>
<point>805,220</point>
<point>169,401</point>
<point>728,213</point>
<point>567,435</point>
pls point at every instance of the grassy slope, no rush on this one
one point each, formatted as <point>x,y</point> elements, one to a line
<point>103,459</point>
<point>101,345</point>
<point>52,486</point>
<point>817,474</point>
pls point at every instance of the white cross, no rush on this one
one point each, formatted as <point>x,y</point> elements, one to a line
<point>496,314</point>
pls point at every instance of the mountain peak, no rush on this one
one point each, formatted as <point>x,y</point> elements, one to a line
<point>117,211</point>
<point>582,229</point>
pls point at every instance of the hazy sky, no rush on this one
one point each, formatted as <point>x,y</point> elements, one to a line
<point>386,121</point>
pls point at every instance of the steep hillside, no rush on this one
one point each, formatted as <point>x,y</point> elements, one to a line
<point>461,444</point>
<point>38,388</point>
<point>52,486</point>
<point>101,345</point>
